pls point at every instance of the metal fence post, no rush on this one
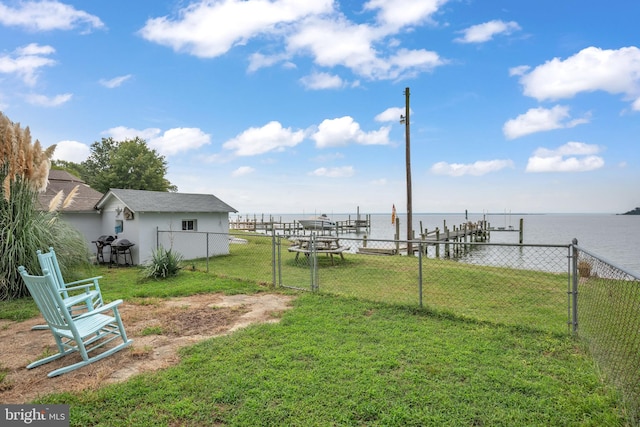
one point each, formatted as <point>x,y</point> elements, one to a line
<point>273,256</point>
<point>574,283</point>
<point>313,258</point>
<point>207,251</point>
<point>420,249</point>
<point>279,264</point>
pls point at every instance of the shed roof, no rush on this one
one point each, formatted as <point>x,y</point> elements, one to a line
<point>84,200</point>
<point>161,201</point>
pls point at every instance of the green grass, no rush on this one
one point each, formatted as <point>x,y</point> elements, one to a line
<point>609,325</point>
<point>341,361</point>
<point>502,295</point>
<point>152,330</point>
<point>356,359</point>
<point>128,284</point>
<point>18,310</point>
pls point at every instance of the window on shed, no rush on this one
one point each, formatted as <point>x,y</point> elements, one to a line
<point>190,225</point>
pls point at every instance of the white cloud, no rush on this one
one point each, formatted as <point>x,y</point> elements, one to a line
<point>339,42</point>
<point>46,101</point>
<point>177,140</point>
<point>481,167</point>
<point>343,130</point>
<point>115,82</point>
<point>570,157</point>
<point>408,63</point>
<point>71,151</point>
<point>259,60</point>
<point>46,16</point>
<point>539,120</point>
<point>120,133</point>
<point>317,81</point>
<point>392,114</point>
<point>210,28</point>
<point>591,69</point>
<point>336,42</point>
<point>484,32</point>
<point>26,61</point>
<point>520,70</point>
<point>242,171</point>
<point>400,13</point>
<point>170,142</point>
<point>270,137</point>
<point>35,49</point>
<point>338,172</point>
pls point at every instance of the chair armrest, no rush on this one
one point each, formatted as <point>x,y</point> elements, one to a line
<point>91,279</point>
<point>113,305</point>
<point>77,288</point>
<point>77,299</point>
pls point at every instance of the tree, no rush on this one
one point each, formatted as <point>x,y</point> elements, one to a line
<point>128,164</point>
<point>71,167</point>
<point>24,169</point>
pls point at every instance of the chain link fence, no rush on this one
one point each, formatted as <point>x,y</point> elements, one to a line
<point>519,285</point>
<point>607,319</point>
<point>551,288</point>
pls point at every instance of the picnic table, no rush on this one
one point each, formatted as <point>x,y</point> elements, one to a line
<point>323,245</point>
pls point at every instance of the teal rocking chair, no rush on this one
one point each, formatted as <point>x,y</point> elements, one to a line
<point>86,333</point>
<point>79,296</point>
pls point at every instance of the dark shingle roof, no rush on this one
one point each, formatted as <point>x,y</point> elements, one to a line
<point>160,201</point>
<point>84,200</point>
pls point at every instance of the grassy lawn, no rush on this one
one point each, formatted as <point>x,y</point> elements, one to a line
<point>126,284</point>
<point>340,361</point>
<point>347,360</point>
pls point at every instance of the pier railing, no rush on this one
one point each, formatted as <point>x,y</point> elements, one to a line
<point>551,288</point>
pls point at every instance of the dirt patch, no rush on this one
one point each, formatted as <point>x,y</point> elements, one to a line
<point>158,327</point>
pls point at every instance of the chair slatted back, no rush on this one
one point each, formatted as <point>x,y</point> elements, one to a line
<point>49,261</point>
<point>45,293</point>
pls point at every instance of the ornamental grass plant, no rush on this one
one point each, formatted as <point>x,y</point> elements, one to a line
<point>164,263</point>
<point>24,226</point>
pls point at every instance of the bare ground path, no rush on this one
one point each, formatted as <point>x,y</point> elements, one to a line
<point>179,321</point>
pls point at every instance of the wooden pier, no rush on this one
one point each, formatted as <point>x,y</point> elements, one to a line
<point>452,240</point>
<point>290,228</point>
<point>446,241</point>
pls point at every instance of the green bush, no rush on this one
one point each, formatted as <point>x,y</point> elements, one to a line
<point>163,263</point>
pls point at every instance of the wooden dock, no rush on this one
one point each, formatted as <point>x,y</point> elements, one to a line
<point>449,240</point>
<point>467,232</point>
<point>290,228</point>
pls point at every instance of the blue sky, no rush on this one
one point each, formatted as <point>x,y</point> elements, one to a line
<point>288,106</point>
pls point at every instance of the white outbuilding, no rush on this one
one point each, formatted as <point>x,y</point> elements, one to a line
<point>193,225</point>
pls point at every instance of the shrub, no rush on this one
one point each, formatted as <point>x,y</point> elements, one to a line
<point>584,268</point>
<point>163,263</point>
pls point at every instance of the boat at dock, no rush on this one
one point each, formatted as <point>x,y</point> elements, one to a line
<point>322,222</point>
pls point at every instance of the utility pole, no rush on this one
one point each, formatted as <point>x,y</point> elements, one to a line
<point>405,119</point>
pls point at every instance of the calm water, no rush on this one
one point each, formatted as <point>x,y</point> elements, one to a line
<point>615,238</point>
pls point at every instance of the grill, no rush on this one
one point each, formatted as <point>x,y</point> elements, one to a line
<point>121,248</point>
<point>104,240</point>
<point>101,242</point>
<point>121,244</point>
